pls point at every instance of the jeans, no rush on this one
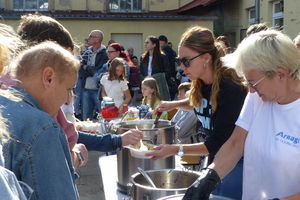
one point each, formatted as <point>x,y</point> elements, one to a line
<point>231,185</point>
<point>78,98</point>
<point>90,103</point>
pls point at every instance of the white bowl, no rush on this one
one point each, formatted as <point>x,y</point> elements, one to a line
<point>137,153</point>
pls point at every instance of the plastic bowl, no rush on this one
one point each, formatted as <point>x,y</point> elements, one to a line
<point>137,153</point>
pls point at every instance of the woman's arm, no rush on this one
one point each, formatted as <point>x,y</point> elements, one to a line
<point>170,105</point>
<point>225,160</point>
<point>164,151</point>
<point>230,153</point>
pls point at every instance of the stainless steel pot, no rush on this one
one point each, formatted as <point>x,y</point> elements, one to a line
<point>127,165</point>
<point>180,196</point>
<point>167,181</point>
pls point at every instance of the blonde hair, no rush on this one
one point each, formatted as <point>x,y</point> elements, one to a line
<point>276,50</point>
<point>46,54</point>
<point>9,44</point>
<point>151,83</point>
<point>200,39</point>
<point>186,86</point>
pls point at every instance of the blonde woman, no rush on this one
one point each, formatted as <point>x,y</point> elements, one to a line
<point>217,95</point>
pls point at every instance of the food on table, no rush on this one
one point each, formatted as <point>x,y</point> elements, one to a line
<point>88,126</point>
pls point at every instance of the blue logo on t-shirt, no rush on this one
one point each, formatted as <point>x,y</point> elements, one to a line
<point>287,139</point>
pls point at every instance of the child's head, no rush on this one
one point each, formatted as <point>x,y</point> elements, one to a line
<point>116,69</point>
<point>150,88</point>
<point>182,89</point>
<point>150,91</point>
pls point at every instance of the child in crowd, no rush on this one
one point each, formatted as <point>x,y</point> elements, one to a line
<point>115,85</point>
<point>186,121</point>
<point>151,95</point>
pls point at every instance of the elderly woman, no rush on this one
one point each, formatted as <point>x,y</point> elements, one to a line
<point>38,152</point>
<point>267,130</point>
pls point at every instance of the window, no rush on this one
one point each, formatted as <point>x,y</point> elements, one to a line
<point>251,16</point>
<point>30,4</point>
<point>125,5</point>
<point>278,16</point>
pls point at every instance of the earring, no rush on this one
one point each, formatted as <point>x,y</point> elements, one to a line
<point>205,65</point>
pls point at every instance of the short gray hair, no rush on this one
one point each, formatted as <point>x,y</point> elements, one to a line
<point>267,51</point>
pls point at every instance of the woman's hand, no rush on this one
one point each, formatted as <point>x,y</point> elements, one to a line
<point>131,137</point>
<point>165,106</point>
<point>163,151</point>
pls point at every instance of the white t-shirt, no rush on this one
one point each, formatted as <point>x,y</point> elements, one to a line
<point>272,148</point>
<point>150,66</point>
<point>114,89</point>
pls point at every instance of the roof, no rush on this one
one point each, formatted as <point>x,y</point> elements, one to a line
<point>196,3</point>
<point>98,15</point>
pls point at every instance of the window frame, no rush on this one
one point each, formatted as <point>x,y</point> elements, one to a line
<point>139,4</point>
<point>251,20</point>
<point>28,9</point>
<point>277,15</point>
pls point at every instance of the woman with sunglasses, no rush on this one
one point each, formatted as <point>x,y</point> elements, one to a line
<point>156,64</point>
<point>217,95</point>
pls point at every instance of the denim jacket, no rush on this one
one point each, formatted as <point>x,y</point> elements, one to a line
<point>38,152</point>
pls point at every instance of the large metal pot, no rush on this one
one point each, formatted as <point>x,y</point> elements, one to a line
<point>167,181</point>
<point>127,165</point>
<point>180,196</point>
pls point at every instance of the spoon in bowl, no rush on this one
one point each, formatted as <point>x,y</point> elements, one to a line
<point>142,146</point>
<point>147,177</point>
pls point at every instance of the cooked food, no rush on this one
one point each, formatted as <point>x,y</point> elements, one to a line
<point>147,144</point>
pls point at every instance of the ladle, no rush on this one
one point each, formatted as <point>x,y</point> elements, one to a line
<point>156,120</point>
<point>147,177</point>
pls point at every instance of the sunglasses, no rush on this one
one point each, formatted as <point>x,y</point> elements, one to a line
<point>186,61</point>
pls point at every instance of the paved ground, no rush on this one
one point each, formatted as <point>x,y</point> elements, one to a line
<point>90,185</point>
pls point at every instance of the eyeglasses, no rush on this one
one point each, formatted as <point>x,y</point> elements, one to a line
<point>110,51</point>
<point>256,83</point>
<point>186,61</point>
<point>93,36</point>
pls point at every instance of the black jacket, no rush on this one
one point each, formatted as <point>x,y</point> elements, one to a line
<point>162,65</point>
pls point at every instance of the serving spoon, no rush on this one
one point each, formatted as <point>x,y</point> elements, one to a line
<point>147,177</point>
<point>142,146</point>
<point>156,120</point>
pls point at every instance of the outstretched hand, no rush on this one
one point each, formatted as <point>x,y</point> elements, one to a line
<point>162,151</point>
<point>164,106</point>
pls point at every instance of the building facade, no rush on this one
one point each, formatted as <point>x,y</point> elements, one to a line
<point>280,14</point>
<point>126,21</point>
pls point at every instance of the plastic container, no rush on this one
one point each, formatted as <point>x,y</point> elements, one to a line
<point>109,110</point>
<point>137,153</point>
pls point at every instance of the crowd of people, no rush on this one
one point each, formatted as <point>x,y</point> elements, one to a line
<point>243,103</point>
<point>158,62</point>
